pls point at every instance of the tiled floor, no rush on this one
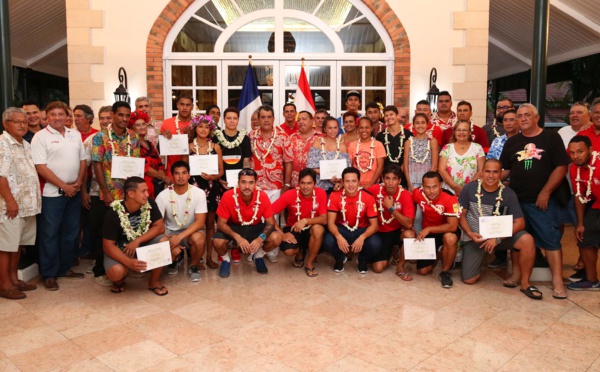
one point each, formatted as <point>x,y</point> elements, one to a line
<point>286,321</point>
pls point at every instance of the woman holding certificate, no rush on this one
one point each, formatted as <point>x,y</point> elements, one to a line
<point>206,164</point>
<point>326,152</point>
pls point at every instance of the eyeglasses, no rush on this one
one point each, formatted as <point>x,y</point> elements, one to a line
<point>18,122</point>
<point>248,172</point>
<point>503,107</point>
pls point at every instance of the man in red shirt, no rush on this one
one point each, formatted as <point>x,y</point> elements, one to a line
<point>433,131</point>
<point>240,214</point>
<point>396,213</point>
<point>306,216</point>
<point>464,111</point>
<point>593,131</point>
<point>290,125</point>
<point>352,223</point>
<point>444,117</point>
<point>440,221</point>
<point>179,124</point>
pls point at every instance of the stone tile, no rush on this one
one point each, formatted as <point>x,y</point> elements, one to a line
<point>223,356</point>
<point>476,354</point>
<point>18,323</point>
<point>308,355</point>
<point>353,364</point>
<point>30,339</point>
<point>59,356</point>
<point>136,357</point>
<point>387,354</point>
<point>109,339</point>
<point>230,323</point>
<point>84,325</point>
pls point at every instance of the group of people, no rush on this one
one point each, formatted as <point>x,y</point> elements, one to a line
<point>403,179</point>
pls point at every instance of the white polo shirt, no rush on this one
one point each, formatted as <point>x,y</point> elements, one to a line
<point>197,206</point>
<point>61,154</point>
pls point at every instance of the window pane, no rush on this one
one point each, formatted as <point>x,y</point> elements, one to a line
<point>375,96</point>
<point>322,98</point>
<point>335,12</point>
<point>196,36</point>
<point>254,5</point>
<point>175,93</point>
<point>318,76</point>
<point>308,6</point>
<point>361,37</point>
<point>237,74</point>
<point>205,98</point>
<point>266,97</point>
<point>206,76</point>
<point>351,76</point>
<point>254,37</point>
<point>375,76</point>
<point>181,76</point>
<point>343,98</point>
<point>219,16</point>
<point>303,37</point>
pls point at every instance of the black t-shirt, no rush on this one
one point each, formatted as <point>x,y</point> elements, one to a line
<point>112,229</point>
<point>531,160</point>
<point>394,145</point>
<point>233,158</point>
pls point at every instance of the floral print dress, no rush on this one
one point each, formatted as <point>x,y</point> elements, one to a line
<point>462,168</point>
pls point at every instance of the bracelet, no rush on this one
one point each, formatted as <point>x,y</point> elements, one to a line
<point>287,185</point>
<point>263,236</point>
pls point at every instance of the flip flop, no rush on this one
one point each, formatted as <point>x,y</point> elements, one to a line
<point>404,276</point>
<point>311,272</point>
<point>531,292</point>
<point>156,290</point>
<point>118,288</point>
<point>298,263</point>
<point>511,283</point>
<point>559,295</point>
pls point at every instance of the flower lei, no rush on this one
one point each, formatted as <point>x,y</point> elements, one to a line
<point>360,206</point>
<point>387,147</point>
<point>437,208</point>
<point>371,157</point>
<point>144,225</point>
<point>199,118</point>
<point>499,199</point>
<point>187,206</point>
<point>494,129</point>
<point>337,149</point>
<point>111,141</point>
<point>313,209</point>
<point>578,180</point>
<point>381,208</point>
<point>427,152</point>
<point>238,209</point>
<point>208,150</point>
<point>227,144</point>
<point>255,144</point>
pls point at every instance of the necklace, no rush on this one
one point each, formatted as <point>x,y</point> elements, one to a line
<point>112,143</point>
<point>255,144</point>
<point>359,207</point>
<point>438,208</point>
<point>578,180</point>
<point>381,209</point>
<point>313,209</point>
<point>177,124</point>
<point>499,199</point>
<point>371,157</point>
<point>208,150</point>
<point>494,129</point>
<point>144,225</point>
<point>230,144</point>
<point>187,206</point>
<point>337,147</point>
<point>238,209</point>
<point>387,147</point>
<point>414,156</point>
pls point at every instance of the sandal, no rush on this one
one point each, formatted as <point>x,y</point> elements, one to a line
<point>158,290</point>
<point>311,272</point>
<point>531,293</point>
<point>511,283</point>
<point>404,276</point>
<point>298,263</point>
<point>118,288</point>
<point>212,264</point>
<point>559,295</point>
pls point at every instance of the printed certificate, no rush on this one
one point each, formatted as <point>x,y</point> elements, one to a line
<point>155,255</point>
<point>332,168</point>
<point>208,164</point>
<point>125,167</point>
<point>419,250</point>
<point>232,177</point>
<point>177,145</point>
<point>496,226</point>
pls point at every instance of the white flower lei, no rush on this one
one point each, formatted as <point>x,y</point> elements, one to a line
<point>412,151</point>
<point>387,147</point>
<point>208,150</point>
<point>380,199</point>
<point>494,124</point>
<point>177,124</point>
<point>499,199</point>
<point>437,208</point>
<point>255,144</point>
<point>578,180</point>
<point>313,209</point>
<point>238,209</point>
<point>187,206</point>
<point>371,157</point>
<point>227,144</point>
<point>337,145</point>
<point>359,207</point>
<point>112,142</point>
<point>144,225</point>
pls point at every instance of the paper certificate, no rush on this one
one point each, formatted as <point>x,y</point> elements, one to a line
<point>125,167</point>
<point>496,226</point>
<point>208,164</point>
<point>419,250</point>
<point>332,168</point>
<point>177,145</point>
<point>155,255</point>
<point>232,177</point>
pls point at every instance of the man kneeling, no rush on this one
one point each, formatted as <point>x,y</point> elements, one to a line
<point>240,214</point>
<point>128,225</point>
<point>489,197</point>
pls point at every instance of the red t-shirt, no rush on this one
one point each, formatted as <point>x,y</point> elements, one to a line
<point>478,135</point>
<point>288,200</point>
<point>84,136</point>
<point>585,176</point>
<point>170,125</point>
<point>228,211</point>
<point>433,131</point>
<point>591,134</point>
<point>289,131</point>
<point>447,204</point>
<point>368,210</point>
<point>404,204</point>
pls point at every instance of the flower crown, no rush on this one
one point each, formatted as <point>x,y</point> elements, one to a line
<point>199,119</point>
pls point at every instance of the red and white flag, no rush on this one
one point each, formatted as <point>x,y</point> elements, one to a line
<point>303,99</point>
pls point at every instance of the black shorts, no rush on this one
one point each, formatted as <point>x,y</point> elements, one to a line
<point>249,233</point>
<point>439,242</point>
<point>301,237</point>
<point>591,234</point>
<point>388,241</point>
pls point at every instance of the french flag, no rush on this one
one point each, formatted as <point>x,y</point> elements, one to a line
<point>249,101</point>
<point>303,99</point>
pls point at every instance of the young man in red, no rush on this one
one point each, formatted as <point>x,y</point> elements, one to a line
<point>179,124</point>
<point>440,221</point>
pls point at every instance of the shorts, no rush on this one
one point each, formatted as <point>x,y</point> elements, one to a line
<point>472,257</point>
<point>249,233</point>
<point>543,225</point>
<point>591,234</point>
<point>566,215</point>
<point>185,242</point>
<point>388,240</point>
<point>16,232</point>
<point>110,262</point>
<point>439,242</point>
<point>301,237</point>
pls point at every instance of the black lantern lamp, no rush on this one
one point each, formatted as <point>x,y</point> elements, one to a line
<point>434,92</point>
<point>121,93</point>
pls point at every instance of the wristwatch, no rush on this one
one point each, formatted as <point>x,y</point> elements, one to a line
<point>498,240</point>
<point>262,236</point>
<point>391,209</point>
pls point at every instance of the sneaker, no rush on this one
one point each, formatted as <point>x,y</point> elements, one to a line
<point>446,279</point>
<point>103,281</point>
<point>579,275</point>
<point>250,257</point>
<point>584,285</point>
<point>224,269</point>
<point>272,256</point>
<point>261,267</point>
<point>339,264</point>
<point>497,263</point>
<point>236,257</point>
<point>194,273</point>
<point>362,267</point>
<point>173,268</point>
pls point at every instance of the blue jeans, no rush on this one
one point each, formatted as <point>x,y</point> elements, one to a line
<point>58,227</point>
<point>370,249</point>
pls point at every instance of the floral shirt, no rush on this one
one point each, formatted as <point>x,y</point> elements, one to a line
<point>268,158</point>
<point>439,122</point>
<point>314,156</point>
<point>16,165</point>
<point>300,149</point>
<point>102,153</point>
<point>496,147</point>
<point>462,168</point>
<point>87,146</point>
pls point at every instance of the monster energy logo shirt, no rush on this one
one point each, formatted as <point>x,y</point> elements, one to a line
<point>531,160</point>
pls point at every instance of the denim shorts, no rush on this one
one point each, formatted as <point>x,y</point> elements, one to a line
<point>543,225</point>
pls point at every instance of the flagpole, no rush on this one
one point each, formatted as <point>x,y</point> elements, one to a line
<point>250,59</point>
